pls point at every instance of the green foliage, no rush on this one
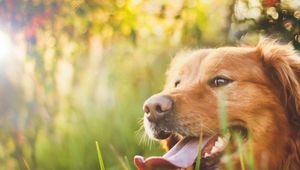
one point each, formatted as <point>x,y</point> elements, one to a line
<point>280,20</point>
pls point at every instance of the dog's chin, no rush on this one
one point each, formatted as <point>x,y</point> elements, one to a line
<point>156,132</point>
<point>208,149</point>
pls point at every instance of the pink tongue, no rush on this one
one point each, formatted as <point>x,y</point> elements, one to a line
<point>182,155</point>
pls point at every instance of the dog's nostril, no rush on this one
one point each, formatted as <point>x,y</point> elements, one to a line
<point>146,109</point>
<point>158,108</point>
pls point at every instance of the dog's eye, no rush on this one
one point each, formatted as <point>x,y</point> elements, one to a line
<point>219,81</point>
<point>176,83</point>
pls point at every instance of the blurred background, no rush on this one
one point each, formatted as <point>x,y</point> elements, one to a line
<point>73,72</point>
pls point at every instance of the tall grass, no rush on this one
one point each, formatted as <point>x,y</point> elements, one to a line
<point>224,124</point>
<point>198,161</point>
<point>245,153</point>
<point>101,164</point>
<point>241,152</point>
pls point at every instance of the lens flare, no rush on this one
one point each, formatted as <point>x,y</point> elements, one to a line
<point>5,45</point>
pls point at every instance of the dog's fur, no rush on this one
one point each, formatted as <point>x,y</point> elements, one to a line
<point>265,94</point>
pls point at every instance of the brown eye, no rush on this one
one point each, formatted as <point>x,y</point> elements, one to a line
<point>177,83</point>
<point>219,81</point>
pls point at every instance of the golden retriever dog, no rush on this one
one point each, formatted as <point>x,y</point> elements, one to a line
<point>256,90</point>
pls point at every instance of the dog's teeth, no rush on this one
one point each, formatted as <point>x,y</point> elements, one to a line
<point>206,155</point>
<point>226,138</point>
<point>214,150</point>
<point>219,143</point>
<point>220,139</point>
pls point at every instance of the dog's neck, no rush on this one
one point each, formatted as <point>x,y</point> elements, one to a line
<point>293,151</point>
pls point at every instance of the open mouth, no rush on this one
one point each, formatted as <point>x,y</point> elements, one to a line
<point>184,154</point>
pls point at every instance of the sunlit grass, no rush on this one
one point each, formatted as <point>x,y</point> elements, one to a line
<point>26,164</point>
<point>123,161</point>
<point>245,156</point>
<point>241,151</point>
<point>222,112</point>
<point>224,124</point>
<point>250,155</point>
<point>101,164</point>
<point>198,161</point>
<point>127,162</point>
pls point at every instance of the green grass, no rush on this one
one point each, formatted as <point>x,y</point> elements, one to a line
<point>222,112</point>
<point>100,157</point>
<point>241,151</point>
<point>245,154</point>
<point>224,123</point>
<point>198,161</point>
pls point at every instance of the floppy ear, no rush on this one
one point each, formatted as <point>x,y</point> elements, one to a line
<point>283,66</point>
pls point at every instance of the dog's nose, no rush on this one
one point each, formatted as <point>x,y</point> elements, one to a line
<point>158,106</point>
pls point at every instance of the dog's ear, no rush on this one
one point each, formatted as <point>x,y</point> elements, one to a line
<point>283,66</point>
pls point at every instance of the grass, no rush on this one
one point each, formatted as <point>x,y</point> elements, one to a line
<point>241,151</point>
<point>224,124</point>
<point>198,161</point>
<point>237,138</point>
<point>222,112</point>
<point>100,157</point>
<point>123,161</point>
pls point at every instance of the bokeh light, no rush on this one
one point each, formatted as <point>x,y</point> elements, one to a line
<point>6,45</point>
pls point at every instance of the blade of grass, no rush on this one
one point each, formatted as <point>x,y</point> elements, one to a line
<point>26,164</point>
<point>100,157</point>
<point>241,151</point>
<point>222,112</point>
<point>124,163</point>
<point>127,162</point>
<point>251,154</point>
<point>224,124</point>
<point>198,162</point>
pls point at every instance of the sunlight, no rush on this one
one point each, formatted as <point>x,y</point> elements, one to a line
<point>5,45</point>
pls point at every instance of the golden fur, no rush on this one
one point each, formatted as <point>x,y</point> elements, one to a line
<point>265,95</point>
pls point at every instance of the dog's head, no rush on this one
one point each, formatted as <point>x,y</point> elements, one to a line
<point>217,94</point>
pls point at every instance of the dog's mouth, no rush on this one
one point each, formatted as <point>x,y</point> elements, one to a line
<point>209,151</point>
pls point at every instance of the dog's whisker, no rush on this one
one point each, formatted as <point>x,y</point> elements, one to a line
<point>141,121</point>
<point>144,139</point>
